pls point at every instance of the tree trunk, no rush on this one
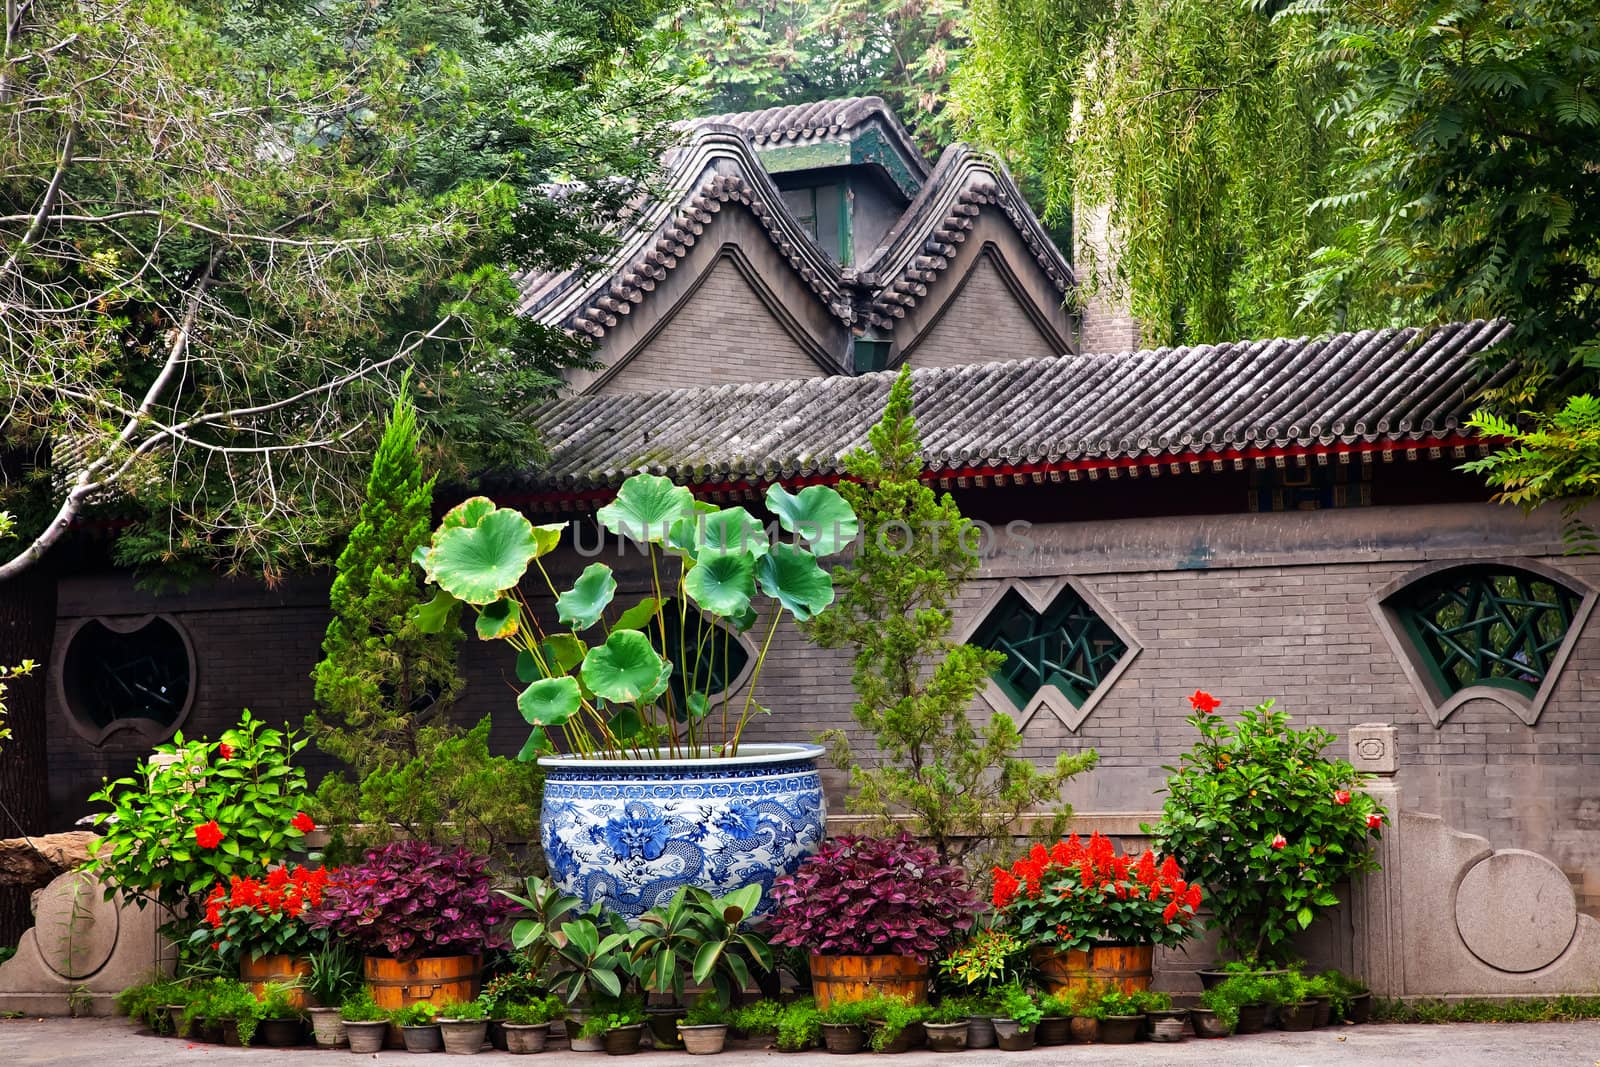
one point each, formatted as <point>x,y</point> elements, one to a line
<point>27,630</point>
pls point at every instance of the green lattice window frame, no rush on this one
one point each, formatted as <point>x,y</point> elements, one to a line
<point>1496,626</point>
<point>720,663</point>
<point>1067,645</point>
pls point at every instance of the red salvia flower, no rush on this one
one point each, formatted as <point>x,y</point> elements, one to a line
<point>208,834</point>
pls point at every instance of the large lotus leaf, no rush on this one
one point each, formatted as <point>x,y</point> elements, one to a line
<point>434,616</point>
<point>699,704</point>
<point>581,606</point>
<point>729,532</point>
<point>623,669</point>
<point>747,618</point>
<point>548,536</point>
<point>645,508</point>
<point>562,652</point>
<point>500,619</point>
<point>636,617</point>
<point>790,575</point>
<point>663,680</point>
<point>818,514</point>
<point>478,563</point>
<point>469,512</point>
<point>550,701</point>
<point>625,724</point>
<point>722,585</point>
<point>537,744</point>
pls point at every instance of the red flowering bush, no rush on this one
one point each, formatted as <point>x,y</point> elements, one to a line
<point>412,899</point>
<point>1073,895</point>
<point>263,916</point>
<point>867,896</point>
<point>1267,822</point>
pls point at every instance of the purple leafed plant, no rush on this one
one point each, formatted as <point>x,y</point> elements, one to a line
<point>866,896</point>
<point>412,899</point>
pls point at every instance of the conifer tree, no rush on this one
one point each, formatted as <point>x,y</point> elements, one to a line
<point>382,679</point>
<point>962,783</point>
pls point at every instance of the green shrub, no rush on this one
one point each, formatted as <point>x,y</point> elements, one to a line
<point>419,1014</point>
<point>1116,1002</point>
<point>1268,824</point>
<point>798,1026</point>
<point>359,1007</point>
<point>466,1010</point>
<point>707,1010</point>
<point>949,1011</point>
<point>1223,1004</point>
<point>277,1002</point>
<point>892,1015</point>
<point>335,973</point>
<point>761,1017</point>
<point>1015,1003</point>
<point>534,1012</point>
<point>1153,1000</point>
<point>1484,1010</point>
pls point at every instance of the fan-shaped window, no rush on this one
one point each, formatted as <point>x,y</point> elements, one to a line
<point>706,657</point>
<point>1068,646</point>
<point>127,674</point>
<point>1491,626</point>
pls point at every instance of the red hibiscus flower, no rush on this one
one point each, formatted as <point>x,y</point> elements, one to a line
<point>1203,702</point>
<point>1374,821</point>
<point>305,825</point>
<point>1279,841</point>
<point>208,834</point>
<point>1341,797</point>
<point>225,750</point>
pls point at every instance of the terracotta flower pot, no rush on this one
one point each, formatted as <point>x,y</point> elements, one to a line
<point>1083,1030</point>
<point>327,1029</point>
<point>1121,1029</point>
<point>524,1038</point>
<point>1010,1036</point>
<point>843,1037</point>
<point>946,1037</point>
<point>623,1040</point>
<point>366,1037</point>
<point>464,1037</point>
<point>1206,1024</point>
<point>422,1038</point>
<point>1053,1031</point>
<point>980,1031</point>
<point>703,1040</point>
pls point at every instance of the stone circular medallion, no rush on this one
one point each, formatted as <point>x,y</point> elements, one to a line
<point>74,929</point>
<point>1516,911</point>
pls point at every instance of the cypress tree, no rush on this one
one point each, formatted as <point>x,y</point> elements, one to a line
<point>961,782</point>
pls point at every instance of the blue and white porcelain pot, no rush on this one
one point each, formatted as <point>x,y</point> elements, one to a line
<point>628,833</point>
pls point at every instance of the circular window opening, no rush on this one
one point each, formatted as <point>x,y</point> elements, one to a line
<point>137,678</point>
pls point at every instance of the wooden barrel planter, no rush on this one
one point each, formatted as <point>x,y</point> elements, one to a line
<point>438,980</point>
<point>843,979</point>
<point>1124,967</point>
<point>292,971</point>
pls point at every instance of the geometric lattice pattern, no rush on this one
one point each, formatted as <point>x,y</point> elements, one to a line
<point>1067,645</point>
<point>1487,626</point>
<point>713,657</point>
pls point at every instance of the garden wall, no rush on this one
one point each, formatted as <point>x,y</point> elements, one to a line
<point>1245,606</point>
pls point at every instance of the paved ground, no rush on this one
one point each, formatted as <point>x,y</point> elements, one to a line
<point>113,1043</point>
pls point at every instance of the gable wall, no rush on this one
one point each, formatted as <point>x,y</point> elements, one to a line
<point>984,322</point>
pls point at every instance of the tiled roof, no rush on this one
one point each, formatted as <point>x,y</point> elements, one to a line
<point>1170,407</point>
<point>775,127</point>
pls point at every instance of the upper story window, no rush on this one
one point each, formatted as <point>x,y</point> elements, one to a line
<point>1487,625</point>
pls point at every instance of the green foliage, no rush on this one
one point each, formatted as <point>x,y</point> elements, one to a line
<point>1116,1002</point>
<point>335,973</point>
<point>420,1013</point>
<point>613,1014</point>
<point>612,692</point>
<point>230,269</point>
<point>1553,459</point>
<point>700,937</point>
<point>537,931</point>
<point>1224,1001</point>
<point>277,1002</point>
<point>26,667</point>
<point>1473,134</point>
<point>359,1007</point>
<point>455,792</point>
<point>761,1017</point>
<point>989,959</point>
<point>765,53</point>
<point>381,678</point>
<point>466,1010</point>
<point>590,957</point>
<point>1260,817</point>
<point>707,1010</point>
<point>1474,1010</point>
<point>222,1000</point>
<point>1186,128</point>
<point>964,786</point>
<point>143,1002</point>
<point>947,1012</point>
<point>799,1026</point>
<point>1017,1004</point>
<point>158,822</point>
<point>890,1016</point>
<point>534,1012</point>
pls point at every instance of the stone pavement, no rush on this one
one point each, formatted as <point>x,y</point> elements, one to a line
<point>113,1043</point>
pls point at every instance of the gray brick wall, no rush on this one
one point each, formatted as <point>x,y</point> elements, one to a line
<point>722,334</point>
<point>983,322</point>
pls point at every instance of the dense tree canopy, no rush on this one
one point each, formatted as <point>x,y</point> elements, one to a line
<point>228,227</point>
<point>751,54</point>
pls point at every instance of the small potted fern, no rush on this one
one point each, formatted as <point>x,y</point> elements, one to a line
<point>365,1024</point>
<point>946,1027</point>
<point>464,1026</point>
<point>1123,1021</point>
<point>704,1026</point>
<point>527,1023</point>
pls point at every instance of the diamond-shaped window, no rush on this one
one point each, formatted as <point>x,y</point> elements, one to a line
<point>1067,645</point>
<point>706,657</point>
<point>1487,626</point>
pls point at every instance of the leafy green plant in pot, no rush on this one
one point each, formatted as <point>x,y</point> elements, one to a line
<point>646,684</point>
<point>335,977</point>
<point>699,937</point>
<point>704,1026</point>
<point>617,1023</point>
<point>464,1026</point>
<point>590,964</point>
<point>365,1023</point>
<point>1122,1017</point>
<point>1259,815</point>
<point>973,973</point>
<point>1019,1015</point>
<point>419,1027</point>
<point>799,1026</point>
<point>945,1025</point>
<point>844,1024</point>
<point>527,1023</point>
<point>281,1022</point>
<point>1244,996</point>
<point>1217,1014</point>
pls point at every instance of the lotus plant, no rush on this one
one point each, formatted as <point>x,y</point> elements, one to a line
<point>598,681</point>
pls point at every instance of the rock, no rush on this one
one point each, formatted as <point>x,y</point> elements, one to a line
<point>31,862</point>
